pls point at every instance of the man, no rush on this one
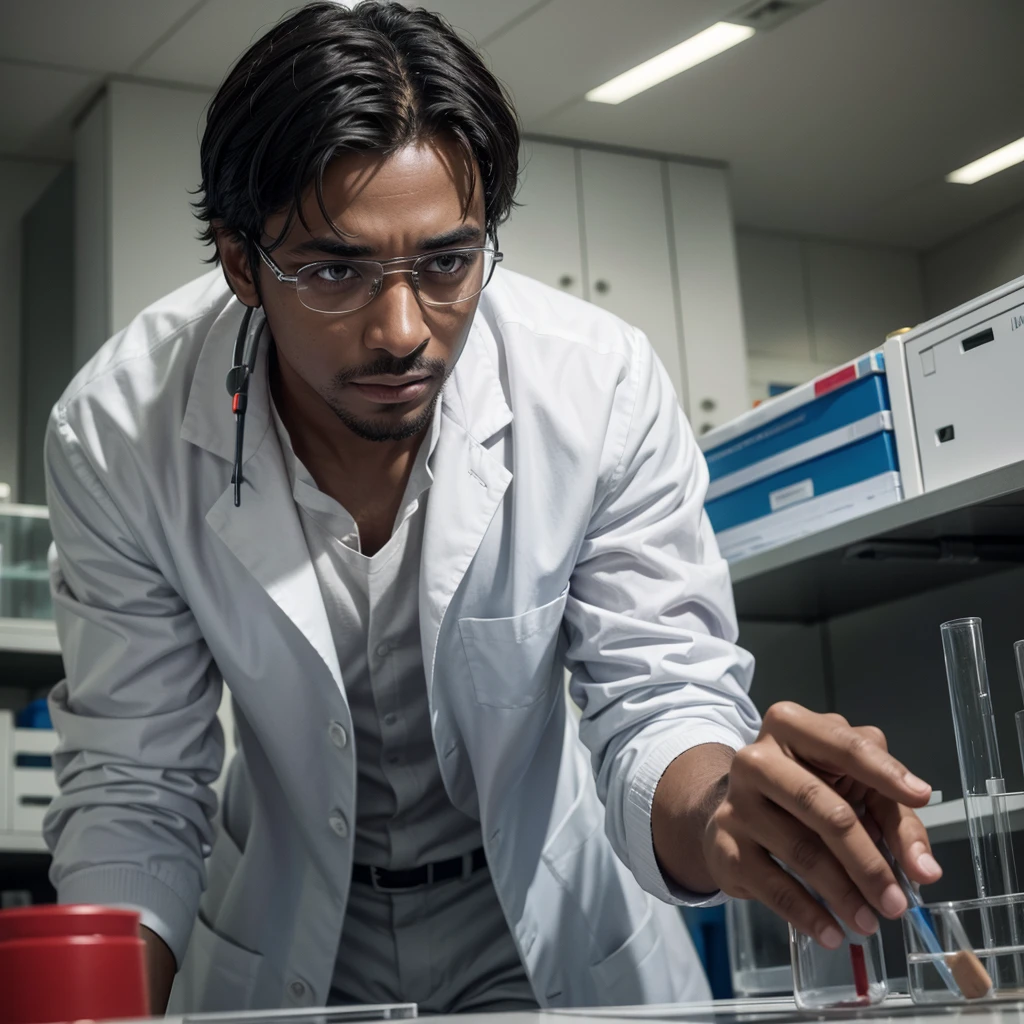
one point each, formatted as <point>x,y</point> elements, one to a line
<point>452,483</point>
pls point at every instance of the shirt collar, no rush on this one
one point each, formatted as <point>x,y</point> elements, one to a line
<point>308,495</point>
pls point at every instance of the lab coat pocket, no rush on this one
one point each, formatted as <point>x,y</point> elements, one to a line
<point>510,659</point>
<point>217,973</point>
<point>620,974</point>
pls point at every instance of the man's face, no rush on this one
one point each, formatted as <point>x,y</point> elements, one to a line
<point>379,368</point>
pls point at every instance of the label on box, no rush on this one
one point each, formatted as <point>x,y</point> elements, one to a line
<point>791,495</point>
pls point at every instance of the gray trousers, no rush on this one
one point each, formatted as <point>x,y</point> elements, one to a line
<point>445,946</point>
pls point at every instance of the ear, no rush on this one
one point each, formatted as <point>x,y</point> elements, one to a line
<point>234,260</point>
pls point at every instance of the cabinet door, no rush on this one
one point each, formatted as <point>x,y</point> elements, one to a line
<point>542,237</point>
<point>714,351</point>
<point>627,246</point>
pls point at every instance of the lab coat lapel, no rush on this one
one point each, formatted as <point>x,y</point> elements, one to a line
<point>469,483</point>
<point>264,533</point>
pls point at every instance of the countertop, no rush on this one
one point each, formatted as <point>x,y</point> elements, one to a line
<point>734,1011</point>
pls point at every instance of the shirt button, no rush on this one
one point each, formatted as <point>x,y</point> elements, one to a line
<point>383,650</point>
<point>338,735</point>
<point>338,824</point>
<point>394,759</point>
<point>390,718</point>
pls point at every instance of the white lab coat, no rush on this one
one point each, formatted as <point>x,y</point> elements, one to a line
<point>564,526</point>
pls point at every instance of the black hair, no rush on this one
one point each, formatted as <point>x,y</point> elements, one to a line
<point>328,80</point>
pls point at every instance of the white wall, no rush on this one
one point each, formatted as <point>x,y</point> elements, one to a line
<point>810,304</point>
<point>154,137</point>
<point>47,325</point>
<point>975,262</point>
<point>137,157</point>
<point>22,182</point>
<point>92,232</point>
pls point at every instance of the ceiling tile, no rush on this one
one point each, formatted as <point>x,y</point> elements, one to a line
<point>203,50</point>
<point>568,47</point>
<point>205,47</point>
<point>483,19</point>
<point>95,35</point>
<point>39,124</point>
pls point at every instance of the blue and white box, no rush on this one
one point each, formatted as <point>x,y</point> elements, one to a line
<point>808,459</point>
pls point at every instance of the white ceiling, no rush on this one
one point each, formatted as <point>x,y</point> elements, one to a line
<point>841,122</point>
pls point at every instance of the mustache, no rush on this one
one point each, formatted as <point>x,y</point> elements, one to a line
<point>391,366</point>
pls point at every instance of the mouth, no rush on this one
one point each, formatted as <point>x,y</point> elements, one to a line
<point>394,392</point>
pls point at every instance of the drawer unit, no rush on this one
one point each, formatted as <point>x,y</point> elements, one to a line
<point>27,781</point>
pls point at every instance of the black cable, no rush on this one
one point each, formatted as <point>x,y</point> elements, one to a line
<point>243,360</point>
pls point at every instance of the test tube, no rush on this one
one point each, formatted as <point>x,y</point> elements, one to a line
<point>978,752</point>
<point>1018,653</point>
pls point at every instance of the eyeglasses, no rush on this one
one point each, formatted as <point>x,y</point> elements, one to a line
<point>343,286</point>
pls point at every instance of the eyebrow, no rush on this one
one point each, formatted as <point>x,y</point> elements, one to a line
<point>335,247</point>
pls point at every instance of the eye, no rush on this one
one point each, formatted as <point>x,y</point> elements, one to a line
<point>335,273</point>
<point>445,263</point>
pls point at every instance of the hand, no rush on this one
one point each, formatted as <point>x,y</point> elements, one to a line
<point>160,968</point>
<point>794,794</point>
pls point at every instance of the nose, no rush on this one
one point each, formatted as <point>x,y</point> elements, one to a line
<point>395,318</point>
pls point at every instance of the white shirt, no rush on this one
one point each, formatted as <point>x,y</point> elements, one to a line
<point>404,817</point>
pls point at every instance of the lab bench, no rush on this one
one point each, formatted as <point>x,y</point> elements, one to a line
<point>732,1011</point>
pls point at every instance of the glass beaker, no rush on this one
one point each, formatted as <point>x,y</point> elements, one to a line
<point>852,975</point>
<point>758,950</point>
<point>989,928</point>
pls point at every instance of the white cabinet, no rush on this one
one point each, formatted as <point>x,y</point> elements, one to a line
<point>653,243</point>
<point>629,261</point>
<point>714,350</point>
<point>542,237</point>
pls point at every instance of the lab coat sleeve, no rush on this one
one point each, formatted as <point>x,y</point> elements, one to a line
<point>136,715</point>
<point>650,618</point>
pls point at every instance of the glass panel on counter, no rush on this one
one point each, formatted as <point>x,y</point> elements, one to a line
<point>24,581</point>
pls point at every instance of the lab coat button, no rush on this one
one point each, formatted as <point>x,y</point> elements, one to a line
<point>338,824</point>
<point>297,989</point>
<point>382,650</point>
<point>338,735</point>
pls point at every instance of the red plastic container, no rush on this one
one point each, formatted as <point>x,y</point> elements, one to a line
<point>69,963</point>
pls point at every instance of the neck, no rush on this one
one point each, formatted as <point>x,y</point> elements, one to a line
<point>321,439</point>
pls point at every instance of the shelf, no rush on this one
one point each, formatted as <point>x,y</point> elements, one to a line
<point>972,528</point>
<point>32,636</point>
<point>947,820</point>
<point>22,842</point>
<point>26,573</point>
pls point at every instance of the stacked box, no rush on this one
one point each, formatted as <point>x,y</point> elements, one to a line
<point>815,456</point>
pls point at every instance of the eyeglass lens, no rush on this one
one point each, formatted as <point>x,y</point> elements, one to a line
<point>440,279</point>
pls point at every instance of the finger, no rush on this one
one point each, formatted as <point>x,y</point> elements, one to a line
<point>763,768</point>
<point>762,879</point>
<point>906,837</point>
<point>847,786</point>
<point>804,853</point>
<point>841,749</point>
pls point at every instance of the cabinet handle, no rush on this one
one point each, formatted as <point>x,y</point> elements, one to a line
<point>602,287</point>
<point>565,281</point>
<point>705,427</point>
<point>707,404</point>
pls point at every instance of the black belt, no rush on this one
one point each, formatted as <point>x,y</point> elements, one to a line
<point>414,878</point>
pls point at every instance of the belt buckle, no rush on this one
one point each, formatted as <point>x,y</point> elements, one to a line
<point>391,890</point>
<point>377,886</point>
